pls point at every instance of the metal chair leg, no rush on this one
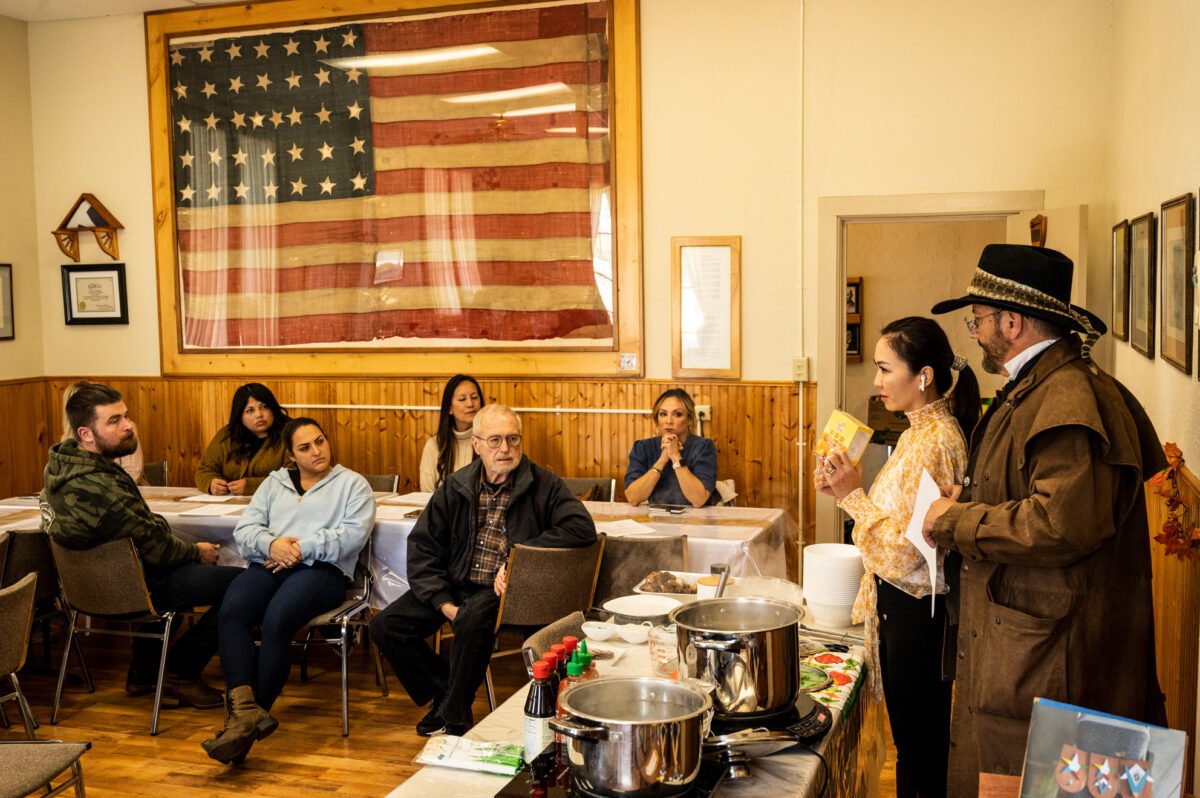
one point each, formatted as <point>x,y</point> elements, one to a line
<point>77,772</point>
<point>62,670</point>
<point>304,656</point>
<point>162,671</point>
<point>491,688</point>
<point>26,714</point>
<point>87,675</point>
<point>4,717</point>
<point>344,650</point>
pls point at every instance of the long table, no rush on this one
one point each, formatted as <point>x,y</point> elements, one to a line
<point>853,749</point>
<point>752,540</point>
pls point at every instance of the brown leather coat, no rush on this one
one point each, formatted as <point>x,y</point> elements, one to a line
<point>1055,582</point>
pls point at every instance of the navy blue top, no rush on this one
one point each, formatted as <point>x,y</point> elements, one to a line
<point>700,454</point>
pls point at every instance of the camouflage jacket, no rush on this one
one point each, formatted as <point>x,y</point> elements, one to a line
<point>88,500</point>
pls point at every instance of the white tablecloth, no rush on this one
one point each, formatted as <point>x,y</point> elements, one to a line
<point>752,540</point>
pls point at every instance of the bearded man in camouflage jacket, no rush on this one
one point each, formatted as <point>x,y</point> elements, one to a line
<point>88,499</point>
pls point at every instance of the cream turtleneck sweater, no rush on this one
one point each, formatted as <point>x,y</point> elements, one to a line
<point>463,455</point>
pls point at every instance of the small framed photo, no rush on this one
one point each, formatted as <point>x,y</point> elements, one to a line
<point>1142,283</point>
<point>854,343</point>
<point>94,294</point>
<point>1178,255</point>
<point>1120,278</point>
<point>7,329</point>
<point>853,297</point>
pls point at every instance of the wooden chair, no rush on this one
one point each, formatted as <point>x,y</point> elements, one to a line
<point>346,615</point>
<point>31,765</point>
<point>383,483</point>
<point>539,642</point>
<point>627,561</point>
<point>16,621</point>
<point>594,489</point>
<point>106,583</point>
<point>155,473</point>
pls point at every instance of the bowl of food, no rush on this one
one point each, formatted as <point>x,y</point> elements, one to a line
<point>679,585</point>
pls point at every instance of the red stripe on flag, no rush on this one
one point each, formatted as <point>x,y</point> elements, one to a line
<point>490,26</point>
<point>483,129</point>
<point>484,80</point>
<point>362,275</point>
<point>389,231</point>
<point>494,178</point>
<point>500,325</point>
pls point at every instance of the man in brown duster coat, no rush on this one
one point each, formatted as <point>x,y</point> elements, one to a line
<point>1054,595</point>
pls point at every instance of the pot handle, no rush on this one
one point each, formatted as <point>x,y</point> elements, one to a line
<point>717,645</point>
<point>570,728</point>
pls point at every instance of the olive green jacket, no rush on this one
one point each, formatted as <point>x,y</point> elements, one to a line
<point>220,462</point>
<point>88,500</point>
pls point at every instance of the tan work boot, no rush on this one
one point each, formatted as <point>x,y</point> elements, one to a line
<point>245,722</point>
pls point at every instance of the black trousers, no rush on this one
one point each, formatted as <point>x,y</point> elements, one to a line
<point>918,701</point>
<point>179,589</point>
<point>400,632</point>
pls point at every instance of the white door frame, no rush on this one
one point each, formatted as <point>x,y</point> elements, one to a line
<point>833,215</point>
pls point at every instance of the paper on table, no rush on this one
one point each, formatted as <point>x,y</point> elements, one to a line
<point>626,526</point>
<point>213,509</point>
<point>417,498</point>
<point>927,493</point>
<point>204,498</point>
<point>384,512</point>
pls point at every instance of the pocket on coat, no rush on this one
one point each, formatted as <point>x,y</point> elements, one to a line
<point>1023,656</point>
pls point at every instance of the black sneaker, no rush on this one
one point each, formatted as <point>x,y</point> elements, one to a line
<point>433,722</point>
<point>455,729</point>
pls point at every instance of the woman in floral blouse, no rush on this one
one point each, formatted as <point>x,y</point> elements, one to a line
<point>915,366</point>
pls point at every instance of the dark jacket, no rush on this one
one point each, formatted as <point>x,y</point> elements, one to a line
<point>88,500</point>
<point>542,512</point>
<point>1055,581</point>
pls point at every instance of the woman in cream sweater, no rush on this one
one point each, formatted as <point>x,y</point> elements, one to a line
<point>451,448</point>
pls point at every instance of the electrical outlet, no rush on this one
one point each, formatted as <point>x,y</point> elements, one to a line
<point>800,369</point>
<point>704,412</point>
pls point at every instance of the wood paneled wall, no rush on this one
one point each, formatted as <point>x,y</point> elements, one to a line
<point>1176,625</point>
<point>755,425</point>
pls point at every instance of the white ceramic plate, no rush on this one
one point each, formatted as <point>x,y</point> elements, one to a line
<point>645,605</point>
<point>683,598</point>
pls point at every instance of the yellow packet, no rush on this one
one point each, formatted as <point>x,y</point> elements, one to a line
<point>845,431</point>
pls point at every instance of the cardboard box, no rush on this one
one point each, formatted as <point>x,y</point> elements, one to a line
<point>846,431</point>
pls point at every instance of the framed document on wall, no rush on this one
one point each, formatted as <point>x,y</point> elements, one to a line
<point>94,294</point>
<point>1120,275</point>
<point>1178,254</point>
<point>706,307</point>
<point>1142,283</point>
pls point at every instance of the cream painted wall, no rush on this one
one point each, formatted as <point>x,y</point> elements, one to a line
<point>935,96</point>
<point>22,356</point>
<point>721,156</point>
<point>1153,157</point>
<point>88,81</point>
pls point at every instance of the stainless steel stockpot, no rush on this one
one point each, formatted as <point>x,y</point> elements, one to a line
<point>748,647</point>
<point>633,736</point>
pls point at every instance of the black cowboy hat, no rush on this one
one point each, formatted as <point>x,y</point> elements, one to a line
<point>1032,281</point>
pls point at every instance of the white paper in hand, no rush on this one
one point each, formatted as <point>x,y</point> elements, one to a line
<point>927,493</point>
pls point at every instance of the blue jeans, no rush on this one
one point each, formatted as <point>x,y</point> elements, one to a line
<point>280,603</point>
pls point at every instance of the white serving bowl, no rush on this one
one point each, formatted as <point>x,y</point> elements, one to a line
<point>832,615</point>
<point>598,630</point>
<point>643,607</point>
<point>636,633</point>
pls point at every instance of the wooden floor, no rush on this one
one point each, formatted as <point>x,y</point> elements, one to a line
<point>306,756</point>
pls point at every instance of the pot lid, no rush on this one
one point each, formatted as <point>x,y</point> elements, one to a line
<point>634,700</point>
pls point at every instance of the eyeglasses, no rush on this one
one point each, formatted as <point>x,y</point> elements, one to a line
<point>493,442</point>
<point>972,322</point>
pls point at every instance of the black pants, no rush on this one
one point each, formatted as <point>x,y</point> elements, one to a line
<point>918,701</point>
<point>400,632</point>
<point>280,603</point>
<point>177,590</point>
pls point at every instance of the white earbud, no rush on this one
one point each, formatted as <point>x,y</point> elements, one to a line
<point>922,382</point>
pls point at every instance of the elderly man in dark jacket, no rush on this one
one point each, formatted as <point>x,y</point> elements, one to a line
<point>457,554</point>
<point>88,499</point>
<point>1051,523</point>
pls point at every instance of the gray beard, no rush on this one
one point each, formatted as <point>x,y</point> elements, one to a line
<point>991,365</point>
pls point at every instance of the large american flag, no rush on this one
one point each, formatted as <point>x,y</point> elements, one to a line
<point>426,179</point>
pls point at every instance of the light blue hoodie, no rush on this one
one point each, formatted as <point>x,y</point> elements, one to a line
<point>333,519</point>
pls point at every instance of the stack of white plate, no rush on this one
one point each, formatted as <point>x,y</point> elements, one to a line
<point>832,572</point>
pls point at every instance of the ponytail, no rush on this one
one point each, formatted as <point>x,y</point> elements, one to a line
<point>964,401</point>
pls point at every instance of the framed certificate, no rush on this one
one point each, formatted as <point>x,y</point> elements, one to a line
<point>94,294</point>
<point>706,307</point>
<point>1177,252</point>
<point>7,329</point>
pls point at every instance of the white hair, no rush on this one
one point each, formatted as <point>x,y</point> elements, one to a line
<point>487,411</point>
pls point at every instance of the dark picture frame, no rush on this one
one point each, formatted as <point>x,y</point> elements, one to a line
<point>1178,254</point>
<point>1120,277</point>
<point>1143,261</point>
<point>7,325</point>
<point>853,297</point>
<point>95,293</point>
<point>854,343</point>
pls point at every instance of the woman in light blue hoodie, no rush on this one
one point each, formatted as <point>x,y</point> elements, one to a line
<point>301,536</point>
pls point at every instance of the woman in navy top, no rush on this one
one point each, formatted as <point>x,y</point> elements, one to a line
<point>675,467</point>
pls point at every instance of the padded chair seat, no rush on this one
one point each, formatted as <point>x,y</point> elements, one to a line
<point>335,614</point>
<point>28,766</point>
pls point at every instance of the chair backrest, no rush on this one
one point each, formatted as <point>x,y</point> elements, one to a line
<point>155,473</point>
<point>726,491</point>
<point>384,483</point>
<point>547,636</point>
<point>4,537</point>
<point>16,621</point>
<point>627,561</point>
<point>545,584</point>
<point>29,552</point>
<point>105,581</point>
<point>593,489</point>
